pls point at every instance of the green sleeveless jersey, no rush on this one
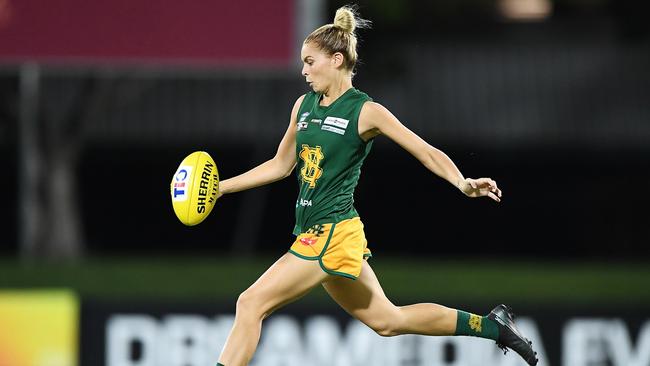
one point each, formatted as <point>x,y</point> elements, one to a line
<point>329,155</point>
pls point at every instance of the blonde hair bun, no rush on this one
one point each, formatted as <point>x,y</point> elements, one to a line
<point>345,19</point>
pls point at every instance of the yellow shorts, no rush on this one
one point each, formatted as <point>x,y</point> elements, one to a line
<point>340,247</point>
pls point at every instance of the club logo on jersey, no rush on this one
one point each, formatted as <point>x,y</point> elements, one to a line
<point>311,170</point>
<point>302,122</point>
<point>335,124</point>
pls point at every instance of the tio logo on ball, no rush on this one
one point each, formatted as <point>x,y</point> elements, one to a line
<point>181,179</point>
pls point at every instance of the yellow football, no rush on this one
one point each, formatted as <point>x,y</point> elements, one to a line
<point>194,188</point>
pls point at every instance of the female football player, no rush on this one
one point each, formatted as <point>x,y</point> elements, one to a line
<point>331,131</point>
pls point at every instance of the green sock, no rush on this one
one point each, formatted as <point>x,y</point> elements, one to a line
<point>469,324</point>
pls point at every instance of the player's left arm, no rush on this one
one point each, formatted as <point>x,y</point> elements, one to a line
<point>376,119</point>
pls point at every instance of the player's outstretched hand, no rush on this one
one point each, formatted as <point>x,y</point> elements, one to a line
<point>480,187</point>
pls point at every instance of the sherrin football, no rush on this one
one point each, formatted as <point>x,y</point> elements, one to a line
<point>194,188</point>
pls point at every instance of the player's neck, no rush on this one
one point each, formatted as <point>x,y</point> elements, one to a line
<point>337,89</point>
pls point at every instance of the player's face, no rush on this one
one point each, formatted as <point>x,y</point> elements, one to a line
<point>317,67</point>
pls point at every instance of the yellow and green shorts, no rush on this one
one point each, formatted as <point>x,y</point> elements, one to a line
<point>339,247</point>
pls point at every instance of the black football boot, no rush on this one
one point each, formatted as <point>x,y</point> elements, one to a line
<point>509,335</point>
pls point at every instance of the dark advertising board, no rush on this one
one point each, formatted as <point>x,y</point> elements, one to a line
<point>188,335</point>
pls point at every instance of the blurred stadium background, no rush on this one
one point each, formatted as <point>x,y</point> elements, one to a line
<point>100,101</point>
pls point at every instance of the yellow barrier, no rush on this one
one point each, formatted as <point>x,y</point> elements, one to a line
<point>38,328</point>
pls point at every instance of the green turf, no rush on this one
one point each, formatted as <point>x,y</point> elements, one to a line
<point>481,281</point>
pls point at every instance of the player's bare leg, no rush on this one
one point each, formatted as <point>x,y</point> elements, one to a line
<point>365,300</point>
<point>285,281</point>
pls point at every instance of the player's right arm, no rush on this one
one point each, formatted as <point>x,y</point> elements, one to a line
<point>279,167</point>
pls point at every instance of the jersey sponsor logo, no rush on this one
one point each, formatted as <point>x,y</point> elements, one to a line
<point>304,202</point>
<point>316,120</point>
<point>311,170</point>
<point>333,129</point>
<point>308,241</point>
<point>302,126</point>
<point>304,116</point>
<point>336,122</point>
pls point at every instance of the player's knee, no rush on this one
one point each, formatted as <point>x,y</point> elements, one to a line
<point>247,304</point>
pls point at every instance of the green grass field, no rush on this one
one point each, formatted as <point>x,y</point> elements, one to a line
<point>207,279</point>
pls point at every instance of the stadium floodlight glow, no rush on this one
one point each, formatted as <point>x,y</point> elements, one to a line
<point>525,10</point>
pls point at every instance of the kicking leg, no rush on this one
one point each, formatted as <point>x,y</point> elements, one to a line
<point>285,281</point>
<point>365,300</point>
